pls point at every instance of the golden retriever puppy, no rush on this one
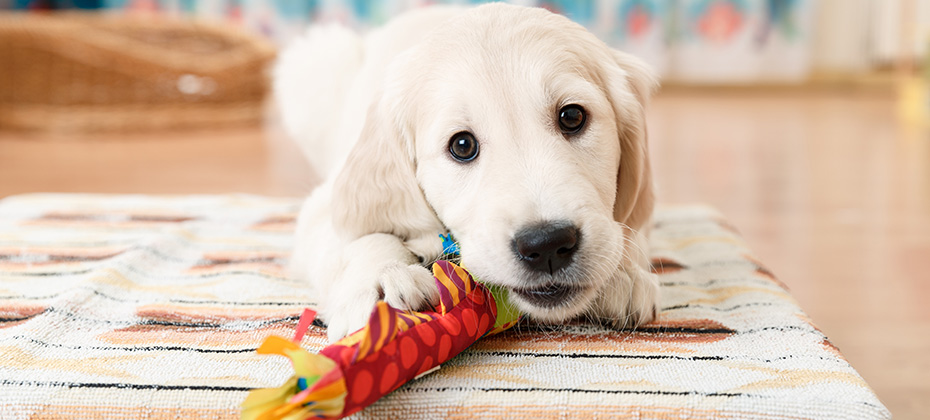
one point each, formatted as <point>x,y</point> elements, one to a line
<point>513,128</point>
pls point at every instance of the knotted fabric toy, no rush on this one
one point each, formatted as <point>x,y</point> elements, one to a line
<point>393,348</point>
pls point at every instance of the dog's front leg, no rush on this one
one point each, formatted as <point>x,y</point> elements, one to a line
<point>630,298</point>
<point>376,266</point>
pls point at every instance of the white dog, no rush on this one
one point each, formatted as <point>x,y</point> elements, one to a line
<point>513,128</point>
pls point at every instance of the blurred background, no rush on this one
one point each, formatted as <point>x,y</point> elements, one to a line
<point>694,41</point>
<point>804,122</point>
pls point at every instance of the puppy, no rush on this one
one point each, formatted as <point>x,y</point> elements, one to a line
<point>513,128</point>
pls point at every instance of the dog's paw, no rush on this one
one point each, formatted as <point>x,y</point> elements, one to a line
<point>347,314</point>
<point>644,302</point>
<point>373,267</point>
<point>408,287</point>
<point>631,302</point>
<point>426,248</point>
<point>400,285</point>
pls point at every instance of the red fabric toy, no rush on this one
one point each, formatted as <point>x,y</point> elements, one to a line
<point>395,347</point>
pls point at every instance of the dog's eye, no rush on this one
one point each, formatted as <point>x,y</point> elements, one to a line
<point>463,146</point>
<point>571,118</point>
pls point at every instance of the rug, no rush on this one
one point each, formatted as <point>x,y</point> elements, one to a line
<point>151,307</point>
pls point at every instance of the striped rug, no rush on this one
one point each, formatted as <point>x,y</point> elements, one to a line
<point>146,307</point>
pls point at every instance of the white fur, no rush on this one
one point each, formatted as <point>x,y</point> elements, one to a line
<point>376,115</point>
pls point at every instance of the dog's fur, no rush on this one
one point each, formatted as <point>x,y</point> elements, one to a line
<point>501,72</point>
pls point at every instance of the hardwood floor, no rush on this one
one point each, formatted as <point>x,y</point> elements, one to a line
<point>833,193</point>
<point>828,188</point>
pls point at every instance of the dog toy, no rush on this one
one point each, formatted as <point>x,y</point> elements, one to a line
<point>392,349</point>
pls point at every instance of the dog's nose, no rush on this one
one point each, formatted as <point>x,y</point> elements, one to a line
<point>546,247</point>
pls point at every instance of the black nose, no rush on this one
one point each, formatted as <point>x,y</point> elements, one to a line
<point>546,247</point>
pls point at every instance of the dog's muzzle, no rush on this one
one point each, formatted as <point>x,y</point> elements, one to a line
<point>548,296</point>
<point>546,247</point>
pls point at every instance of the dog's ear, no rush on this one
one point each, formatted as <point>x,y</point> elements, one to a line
<point>631,84</point>
<point>377,190</point>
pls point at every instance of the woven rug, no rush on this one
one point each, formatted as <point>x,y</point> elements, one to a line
<point>152,307</point>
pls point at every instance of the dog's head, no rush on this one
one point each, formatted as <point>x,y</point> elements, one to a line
<point>523,135</point>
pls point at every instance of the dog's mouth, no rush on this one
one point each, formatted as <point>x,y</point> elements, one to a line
<point>548,296</point>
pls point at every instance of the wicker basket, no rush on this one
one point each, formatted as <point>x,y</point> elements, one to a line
<point>77,72</point>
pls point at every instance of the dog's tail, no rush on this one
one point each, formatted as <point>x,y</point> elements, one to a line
<point>312,78</point>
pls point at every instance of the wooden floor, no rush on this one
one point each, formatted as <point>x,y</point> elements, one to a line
<point>827,187</point>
